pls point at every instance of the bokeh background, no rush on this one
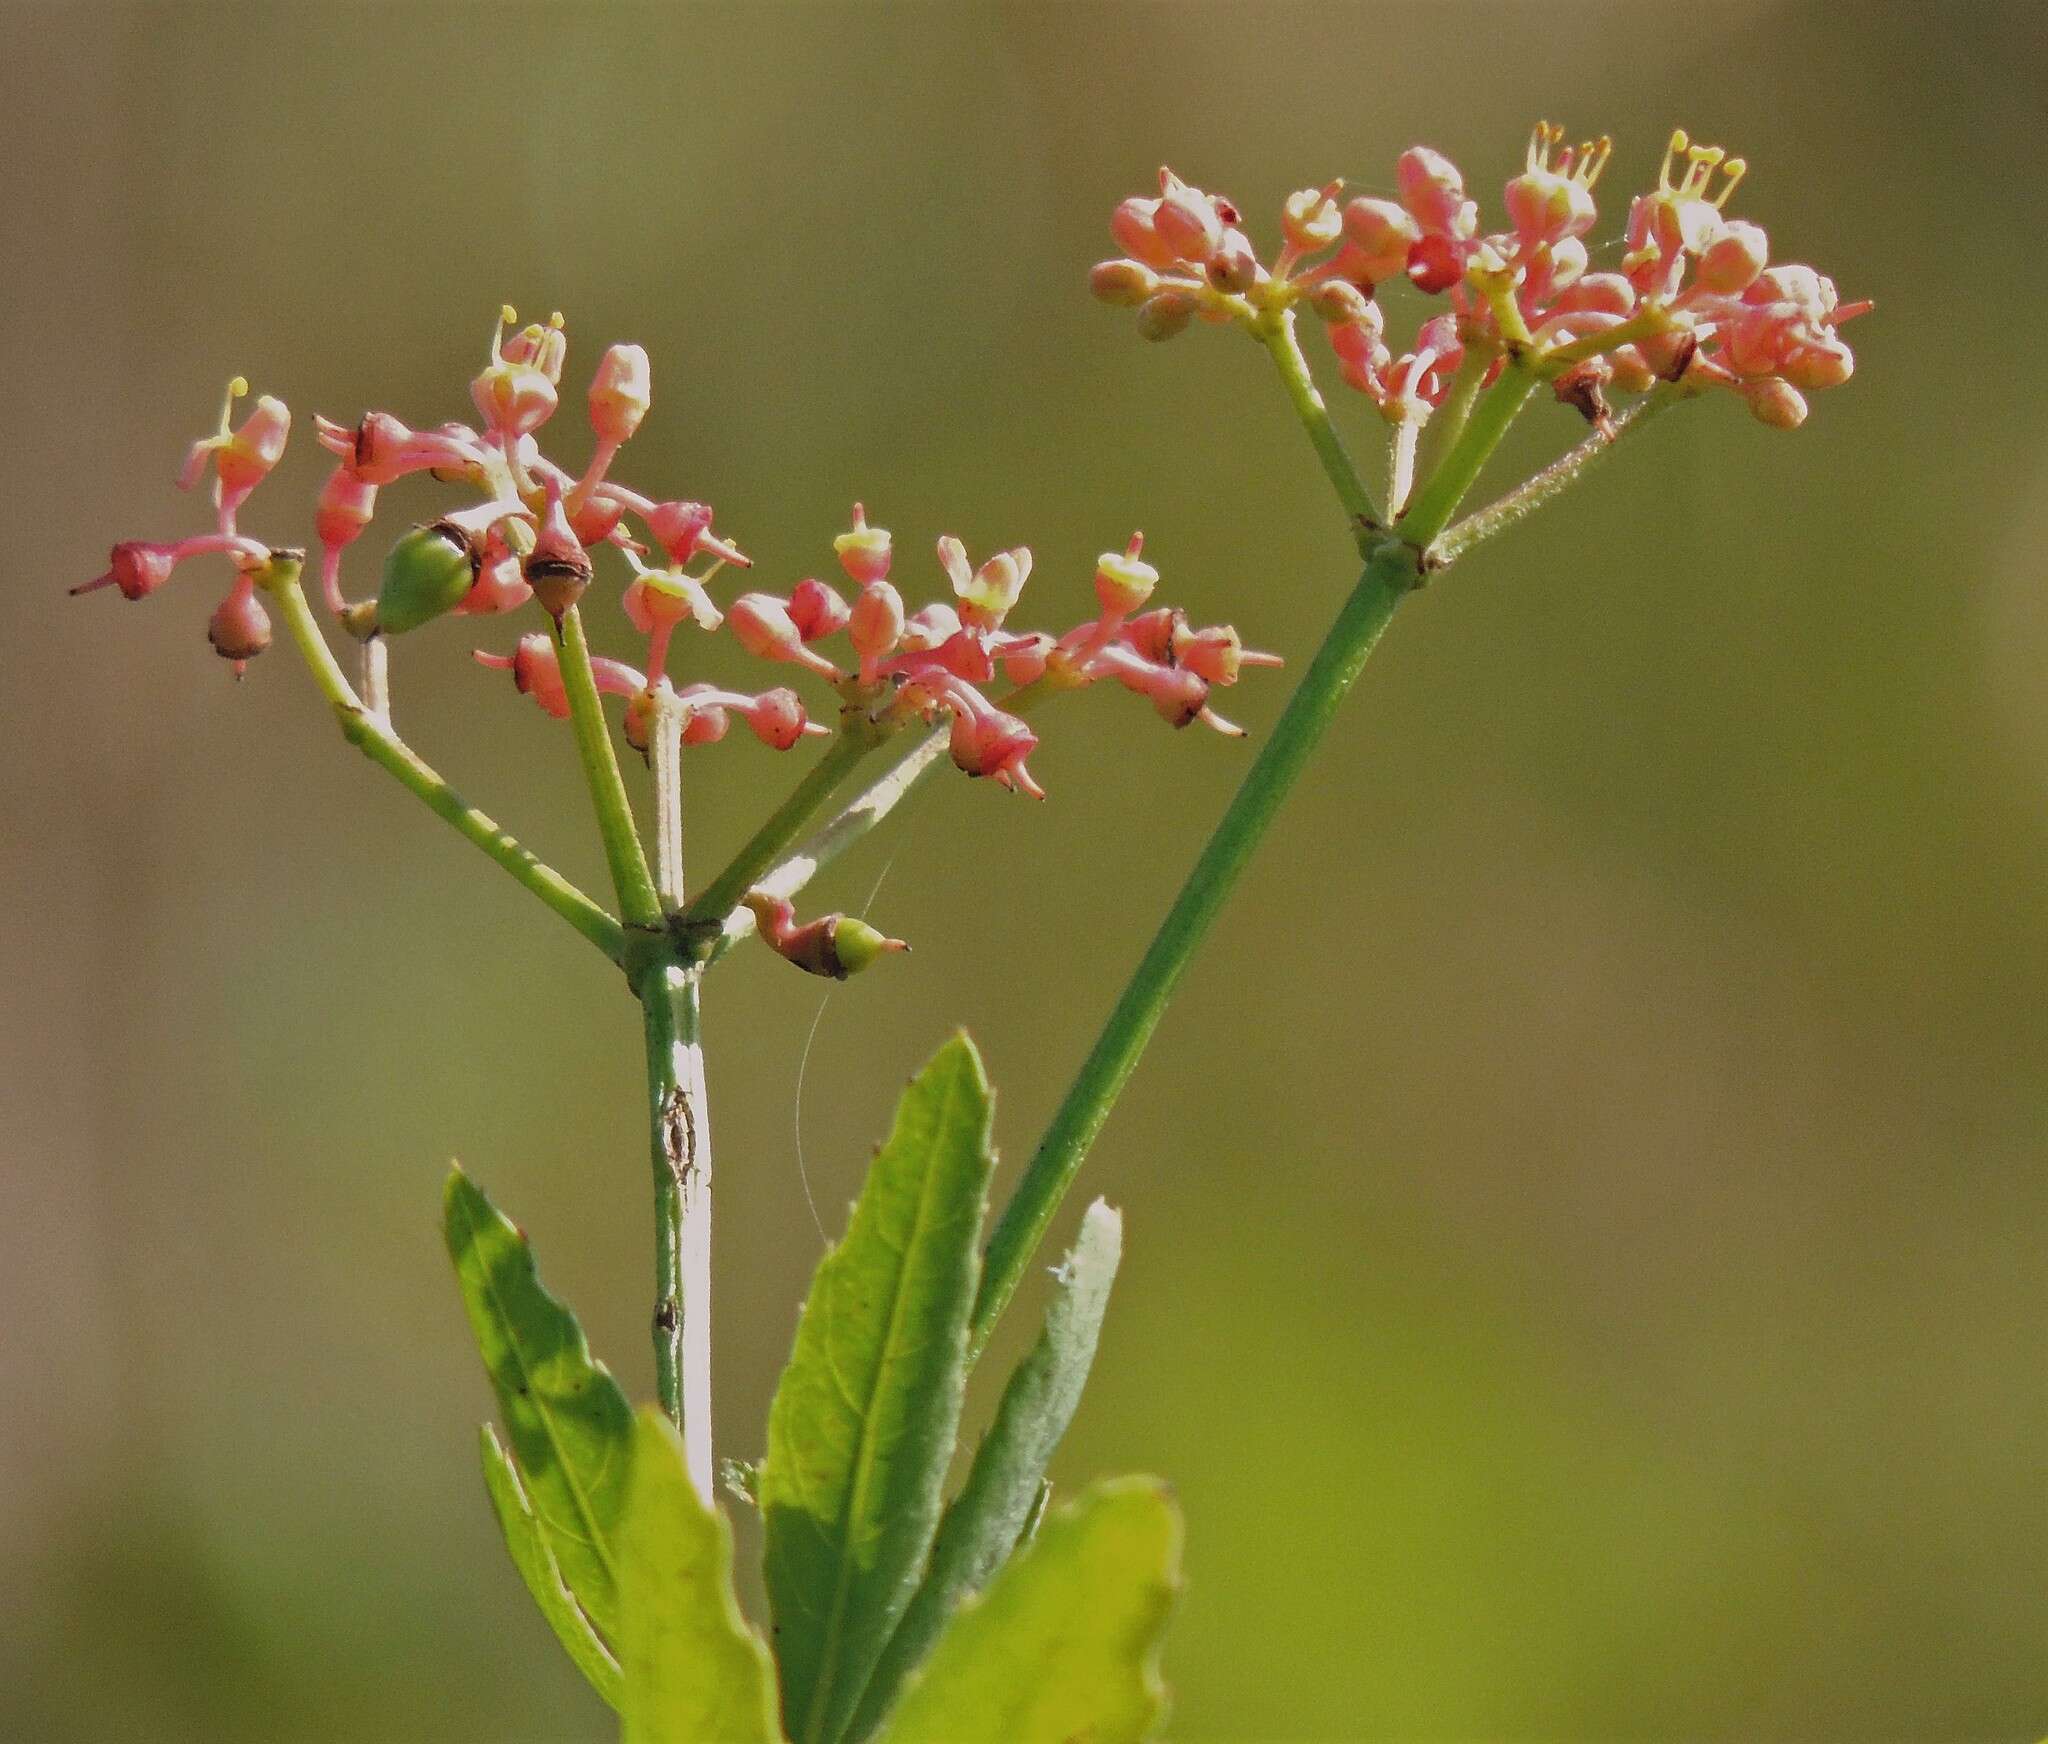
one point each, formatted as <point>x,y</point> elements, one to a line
<point>1585,1271</point>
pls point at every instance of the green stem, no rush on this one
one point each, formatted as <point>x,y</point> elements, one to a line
<point>1448,422</point>
<point>681,1148</point>
<point>722,895</point>
<point>372,735</point>
<point>638,901</point>
<point>1445,489</point>
<point>847,826</point>
<point>1274,329</point>
<point>1566,470</point>
<point>1390,571</point>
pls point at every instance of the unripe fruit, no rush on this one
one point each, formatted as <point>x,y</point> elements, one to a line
<point>240,628</point>
<point>425,574</point>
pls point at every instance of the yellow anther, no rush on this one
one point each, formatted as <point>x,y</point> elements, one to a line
<point>237,387</point>
<point>1672,152</point>
<point>1592,159</point>
<point>1734,169</point>
<point>558,320</point>
<point>507,315</point>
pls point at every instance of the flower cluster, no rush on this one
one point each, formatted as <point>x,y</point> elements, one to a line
<point>533,525</point>
<point>1697,300</point>
<point>934,663</point>
<point>241,459</point>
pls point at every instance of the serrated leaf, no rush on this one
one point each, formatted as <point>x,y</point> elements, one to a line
<point>1006,1482</point>
<point>1064,1645</point>
<point>862,1427</point>
<point>570,1427</point>
<point>695,1672</point>
<point>543,1576</point>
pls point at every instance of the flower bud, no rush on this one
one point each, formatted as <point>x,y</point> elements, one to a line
<point>425,574</point>
<point>1163,316</point>
<point>1311,219</point>
<point>1546,207</point>
<point>1186,221</point>
<point>620,393</point>
<point>987,595</point>
<point>1124,283</point>
<point>1123,582</point>
<point>816,610</point>
<point>1435,265</point>
<point>1434,191</point>
<point>1734,260</point>
<point>1339,302</point>
<point>1133,226</point>
<point>1234,267</point>
<point>1773,402</point>
<point>777,718</point>
<point>1826,363</point>
<point>864,552</point>
<point>875,624</point>
<point>765,629</point>
<point>1379,234</point>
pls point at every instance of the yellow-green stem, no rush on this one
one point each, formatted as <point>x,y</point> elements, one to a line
<point>372,735</point>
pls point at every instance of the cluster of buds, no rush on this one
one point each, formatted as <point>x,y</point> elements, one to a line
<point>935,662</point>
<point>1696,300</point>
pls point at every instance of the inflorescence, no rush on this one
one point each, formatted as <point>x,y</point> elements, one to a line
<point>1696,301</point>
<point>530,532</point>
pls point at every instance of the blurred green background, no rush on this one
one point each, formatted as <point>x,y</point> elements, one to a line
<point>1585,1263</point>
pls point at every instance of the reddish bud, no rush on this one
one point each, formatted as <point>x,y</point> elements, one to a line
<point>875,624</point>
<point>816,610</point>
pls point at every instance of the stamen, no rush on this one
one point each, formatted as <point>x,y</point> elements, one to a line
<point>237,387</point>
<point>507,316</point>
<point>1672,152</point>
<point>1593,156</point>
<point>1735,169</point>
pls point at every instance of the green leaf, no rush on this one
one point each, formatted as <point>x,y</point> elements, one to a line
<point>543,1577</point>
<point>862,1427</point>
<point>570,1426</point>
<point>1005,1484</point>
<point>1065,1643</point>
<point>695,1672</point>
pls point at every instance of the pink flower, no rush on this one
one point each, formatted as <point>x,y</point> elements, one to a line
<point>516,394</point>
<point>139,567</point>
<point>863,551</point>
<point>242,458</point>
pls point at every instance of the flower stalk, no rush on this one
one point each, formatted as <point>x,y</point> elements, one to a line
<point>373,735</point>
